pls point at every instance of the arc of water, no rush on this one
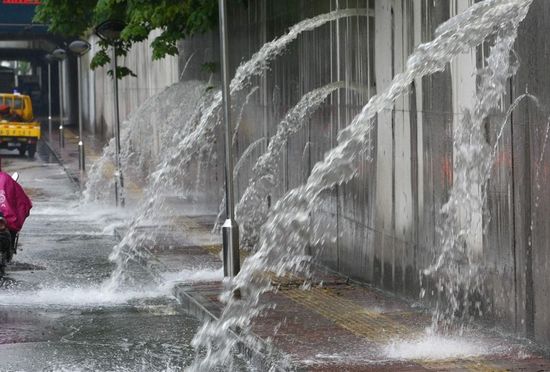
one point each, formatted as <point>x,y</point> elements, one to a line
<point>195,142</point>
<point>246,155</point>
<point>252,209</point>
<point>198,135</point>
<point>241,113</point>
<point>236,171</point>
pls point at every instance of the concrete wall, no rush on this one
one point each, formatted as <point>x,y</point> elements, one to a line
<point>97,87</point>
<point>385,219</point>
<point>526,235</point>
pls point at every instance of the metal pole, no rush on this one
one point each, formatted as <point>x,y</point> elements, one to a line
<point>81,159</point>
<point>119,183</point>
<point>230,229</point>
<point>61,113</point>
<point>50,102</point>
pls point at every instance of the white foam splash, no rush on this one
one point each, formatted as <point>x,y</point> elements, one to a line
<point>101,295</point>
<point>193,275</point>
<point>75,296</point>
<point>436,347</point>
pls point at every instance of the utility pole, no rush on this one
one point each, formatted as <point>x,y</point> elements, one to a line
<point>230,229</point>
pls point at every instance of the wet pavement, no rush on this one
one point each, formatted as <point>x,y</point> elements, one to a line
<point>339,325</point>
<point>56,314</point>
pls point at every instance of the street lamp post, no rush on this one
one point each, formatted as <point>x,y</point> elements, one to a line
<point>230,229</point>
<point>60,55</point>
<point>50,58</point>
<point>109,31</point>
<point>80,47</point>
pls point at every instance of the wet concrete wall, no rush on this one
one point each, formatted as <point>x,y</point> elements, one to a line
<point>97,87</point>
<point>385,219</point>
<point>529,176</point>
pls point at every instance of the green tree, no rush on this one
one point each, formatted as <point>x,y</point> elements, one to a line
<point>176,19</point>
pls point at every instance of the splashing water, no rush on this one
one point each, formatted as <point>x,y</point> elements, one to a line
<point>100,183</point>
<point>252,209</point>
<point>436,347</point>
<point>289,229</point>
<point>195,142</point>
<point>241,114</point>
<point>200,138</point>
<point>100,295</point>
<point>456,269</point>
<point>145,137</point>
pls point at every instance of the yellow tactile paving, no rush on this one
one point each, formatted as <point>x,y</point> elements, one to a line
<point>347,314</point>
<point>287,281</point>
<point>374,325</point>
<point>215,250</point>
<point>187,223</point>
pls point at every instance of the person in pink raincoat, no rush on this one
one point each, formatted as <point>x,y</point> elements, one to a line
<point>15,205</point>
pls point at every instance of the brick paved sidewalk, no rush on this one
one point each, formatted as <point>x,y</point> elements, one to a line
<point>342,326</point>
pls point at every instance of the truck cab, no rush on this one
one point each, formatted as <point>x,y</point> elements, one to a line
<point>20,131</point>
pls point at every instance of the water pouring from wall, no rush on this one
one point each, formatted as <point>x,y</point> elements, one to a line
<point>147,135</point>
<point>253,208</point>
<point>193,148</point>
<point>457,268</point>
<point>289,229</point>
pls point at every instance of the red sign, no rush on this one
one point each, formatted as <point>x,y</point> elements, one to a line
<point>21,2</point>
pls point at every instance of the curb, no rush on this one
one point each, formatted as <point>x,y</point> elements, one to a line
<point>265,358</point>
<point>73,178</point>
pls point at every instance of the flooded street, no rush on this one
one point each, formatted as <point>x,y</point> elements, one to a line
<point>275,185</point>
<point>55,315</point>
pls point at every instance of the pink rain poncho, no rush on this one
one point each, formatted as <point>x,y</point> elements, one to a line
<point>14,203</point>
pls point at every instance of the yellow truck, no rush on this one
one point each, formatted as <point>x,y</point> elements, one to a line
<point>19,131</point>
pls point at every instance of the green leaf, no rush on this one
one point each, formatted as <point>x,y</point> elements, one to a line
<point>176,19</point>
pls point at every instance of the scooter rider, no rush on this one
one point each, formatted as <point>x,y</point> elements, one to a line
<point>15,206</point>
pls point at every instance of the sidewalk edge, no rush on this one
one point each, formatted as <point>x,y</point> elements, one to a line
<point>266,358</point>
<point>73,178</point>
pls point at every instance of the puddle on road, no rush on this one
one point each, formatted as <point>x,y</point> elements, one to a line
<point>151,337</point>
<point>91,328</point>
<point>56,311</point>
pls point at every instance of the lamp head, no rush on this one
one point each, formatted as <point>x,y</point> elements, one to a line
<point>110,30</point>
<point>59,54</point>
<point>50,58</point>
<point>79,47</point>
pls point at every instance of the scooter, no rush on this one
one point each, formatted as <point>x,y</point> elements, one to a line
<point>6,246</point>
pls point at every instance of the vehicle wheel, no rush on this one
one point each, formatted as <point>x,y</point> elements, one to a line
<point>22,150</point>
<point>32,150</point>
<point>9,256</point>
<point>3,262</point>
